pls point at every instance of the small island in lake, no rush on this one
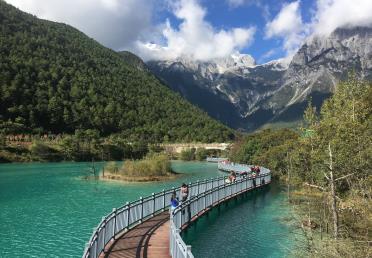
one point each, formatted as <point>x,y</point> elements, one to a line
<point>154,167</point>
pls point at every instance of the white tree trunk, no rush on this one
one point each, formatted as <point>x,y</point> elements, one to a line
<point>333,195</point>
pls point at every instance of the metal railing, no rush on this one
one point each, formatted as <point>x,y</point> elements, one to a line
<point>240,168</point>
<point>191,209</point>
<point>133,213</point>
<point>215,159</point>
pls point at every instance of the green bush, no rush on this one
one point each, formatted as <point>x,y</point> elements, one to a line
<point>201,154</point>
<point>2,140</point>
<point>188,154</point>
<point>42,151</point>
<point>151,165</point>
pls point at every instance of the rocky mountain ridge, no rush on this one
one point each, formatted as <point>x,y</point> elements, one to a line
<point>250,95</point>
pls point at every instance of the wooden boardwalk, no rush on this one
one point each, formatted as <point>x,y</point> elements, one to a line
<point>147,240</point>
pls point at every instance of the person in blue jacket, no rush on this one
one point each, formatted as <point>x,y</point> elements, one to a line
<point>174,201</point>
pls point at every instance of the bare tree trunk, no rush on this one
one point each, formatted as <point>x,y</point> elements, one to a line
<point>333,195</point>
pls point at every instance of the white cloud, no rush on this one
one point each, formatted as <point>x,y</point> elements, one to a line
<point>262,5</point>
<point>332,14</point>
<point>114,23</point>
<point>326,17</point>
<point>267,55</point>
<point>235,3</point>
<point>195,37</point>
<point>289,26</point>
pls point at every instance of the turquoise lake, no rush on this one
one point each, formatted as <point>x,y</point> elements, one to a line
<point>50,210</point>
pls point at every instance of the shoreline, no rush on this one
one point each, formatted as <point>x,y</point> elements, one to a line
<point>140,179</point>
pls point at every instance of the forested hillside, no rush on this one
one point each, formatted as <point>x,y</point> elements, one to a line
<point>53,78</point>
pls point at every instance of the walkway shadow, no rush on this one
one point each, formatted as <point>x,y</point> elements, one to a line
<point>135,242</point>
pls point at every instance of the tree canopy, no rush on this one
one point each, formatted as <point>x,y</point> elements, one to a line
<point>330,162</point>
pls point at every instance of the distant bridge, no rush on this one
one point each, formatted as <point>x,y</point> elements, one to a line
<point>179,147</point>
<point>144,228</point>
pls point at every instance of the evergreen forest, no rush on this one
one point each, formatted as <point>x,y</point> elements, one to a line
<point>56,80</point>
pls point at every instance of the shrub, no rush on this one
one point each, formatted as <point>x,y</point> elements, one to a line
<point>188,154</point>
<point>151,165</point>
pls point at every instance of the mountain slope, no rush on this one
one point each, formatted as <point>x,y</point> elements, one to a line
<point>276,92</point>
<point>316,69</point>
<point>54,78</point>
<point>234,85</point>
<point>191,86</point>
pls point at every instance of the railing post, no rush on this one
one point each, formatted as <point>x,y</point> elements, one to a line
<point>198,186</point>
<point>128,205</point>
<point>163,200</point>
<point>87,250</point>
<point>114,231</point>
<point>213,190</point>
<point>153,201</point>
<point>97,252</point>
<point>188,251</point>
<point>95,232</point>
<point>205,200</point>
<point>104,233</point>
<point>189,194</point>
<point>141,217</point>
<point>189,212</point>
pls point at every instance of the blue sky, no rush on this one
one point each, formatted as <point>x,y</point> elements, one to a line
<point>203,29</point>
<point>222,14</point>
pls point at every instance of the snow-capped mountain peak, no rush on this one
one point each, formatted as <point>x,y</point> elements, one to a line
<point>221,65</point>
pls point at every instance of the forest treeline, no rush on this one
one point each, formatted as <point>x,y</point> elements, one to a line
<point>327,167</point>
<point>54,79</point>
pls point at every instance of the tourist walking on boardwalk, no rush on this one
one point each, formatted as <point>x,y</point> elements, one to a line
<point>257,169</point>
<point>253,176</point>
<point>231,178</point>
<point>174,201</point>
<point>184,192</point>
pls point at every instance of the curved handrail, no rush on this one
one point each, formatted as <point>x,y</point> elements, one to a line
<point>133,213</point>
<point>215,159</point>
<point>191,209</point>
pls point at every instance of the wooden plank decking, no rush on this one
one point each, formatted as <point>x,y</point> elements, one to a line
<point>147,240</point>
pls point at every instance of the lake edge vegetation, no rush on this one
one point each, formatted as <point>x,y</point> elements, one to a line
<point>326,165</point>
<point>153,167</point>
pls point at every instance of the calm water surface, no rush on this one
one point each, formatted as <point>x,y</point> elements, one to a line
<point>49,210</point>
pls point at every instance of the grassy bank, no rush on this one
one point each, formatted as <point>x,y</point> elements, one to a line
<point>154,167</point>
<point>199,154</point>
<point>81,146</point>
